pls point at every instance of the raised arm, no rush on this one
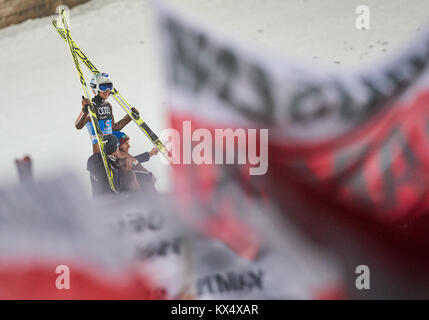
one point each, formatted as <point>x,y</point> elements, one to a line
<point>125,120</point>
<point>117,126</point>
<point>82,119</point>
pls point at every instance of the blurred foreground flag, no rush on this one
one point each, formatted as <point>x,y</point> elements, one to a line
<point>344,155</point>
<point>56,244</point>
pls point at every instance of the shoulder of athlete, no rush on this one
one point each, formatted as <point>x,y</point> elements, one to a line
<point>93,162</point>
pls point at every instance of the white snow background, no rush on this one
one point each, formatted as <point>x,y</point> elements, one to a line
<point>41,95</point>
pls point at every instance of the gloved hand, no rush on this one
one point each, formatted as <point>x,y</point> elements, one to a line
<point>85,104</point>
<point>135,113</point>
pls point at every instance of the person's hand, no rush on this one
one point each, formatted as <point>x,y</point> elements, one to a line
<point>85,104</point>
<point>153,152</point>
<point>135,113</point>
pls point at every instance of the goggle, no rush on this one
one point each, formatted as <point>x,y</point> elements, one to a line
<point>105,86</point>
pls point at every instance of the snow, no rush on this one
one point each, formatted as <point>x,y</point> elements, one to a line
<point>41,94</point>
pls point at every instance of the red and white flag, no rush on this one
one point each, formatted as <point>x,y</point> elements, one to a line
<point>342,154</point>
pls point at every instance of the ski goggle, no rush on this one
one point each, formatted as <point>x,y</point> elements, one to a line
<point>105,86</point>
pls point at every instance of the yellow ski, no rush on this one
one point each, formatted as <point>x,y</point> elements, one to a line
<point>115,93</point>
<point>93,115</point>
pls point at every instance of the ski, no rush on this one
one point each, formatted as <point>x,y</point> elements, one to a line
<point>91,107</point>
<point>116,95</point>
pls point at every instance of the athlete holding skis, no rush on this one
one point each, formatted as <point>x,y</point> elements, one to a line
<point>102,87</point>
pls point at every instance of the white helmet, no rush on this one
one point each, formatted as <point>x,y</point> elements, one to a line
<point>101,82</point>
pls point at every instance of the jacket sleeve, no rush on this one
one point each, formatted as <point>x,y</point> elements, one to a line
<point>144,157</point>
<point>96,167</point>
<point>99,179</point>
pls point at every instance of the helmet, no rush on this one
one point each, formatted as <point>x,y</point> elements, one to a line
<point>101,82</point>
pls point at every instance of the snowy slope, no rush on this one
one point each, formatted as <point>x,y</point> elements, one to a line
<point>41,94</point>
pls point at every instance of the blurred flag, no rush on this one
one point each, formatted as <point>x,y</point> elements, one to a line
<point>56,244</point>
<point>345,159</point>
